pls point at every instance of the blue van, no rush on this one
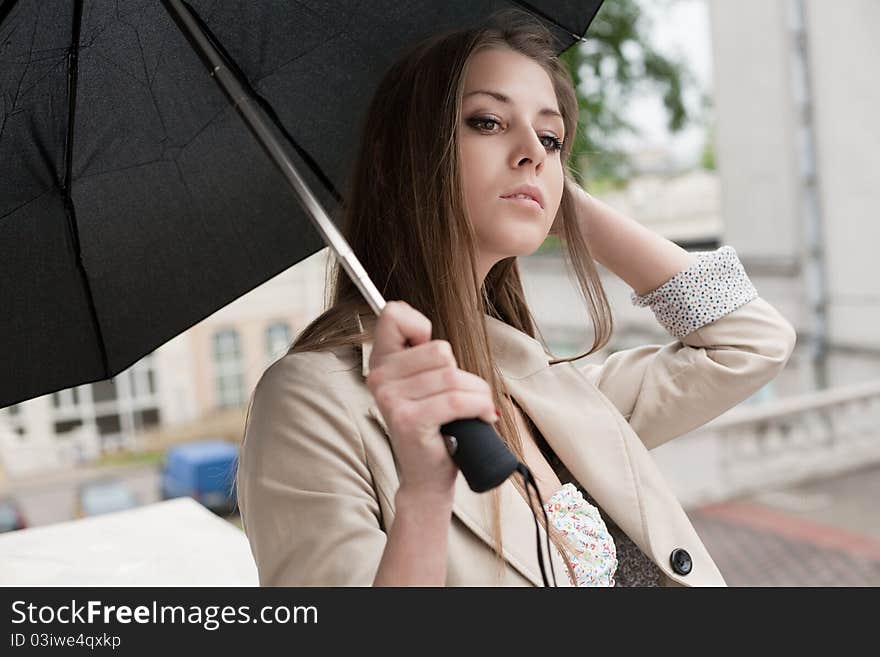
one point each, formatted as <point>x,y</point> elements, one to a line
<point>203,470</point>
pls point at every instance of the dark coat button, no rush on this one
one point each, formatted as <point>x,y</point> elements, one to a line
<point>681,561</point>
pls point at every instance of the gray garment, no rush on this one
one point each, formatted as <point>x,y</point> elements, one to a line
<point>633,567</point>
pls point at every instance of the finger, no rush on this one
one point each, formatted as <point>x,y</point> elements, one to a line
<point>398,324</point>
<point>407,362</point>
<point>434,381</point>
<point>437,410</point>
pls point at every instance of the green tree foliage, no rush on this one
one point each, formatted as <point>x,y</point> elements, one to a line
<point>618,60</point>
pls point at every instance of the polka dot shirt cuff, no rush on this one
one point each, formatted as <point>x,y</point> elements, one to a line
<point>712,287</point>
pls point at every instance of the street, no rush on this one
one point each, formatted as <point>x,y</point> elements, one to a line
<point>51,498</point>
<point>821,533</point>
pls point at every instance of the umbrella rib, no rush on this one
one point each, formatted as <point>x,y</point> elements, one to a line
<point>236,70</point>
<point>72,227</point>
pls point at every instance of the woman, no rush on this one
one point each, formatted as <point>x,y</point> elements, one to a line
<point>344,477</point>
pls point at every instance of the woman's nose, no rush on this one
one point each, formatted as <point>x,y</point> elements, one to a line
<point>529,150</point>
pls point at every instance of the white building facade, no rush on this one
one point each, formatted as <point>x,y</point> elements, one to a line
<point>213,366</point>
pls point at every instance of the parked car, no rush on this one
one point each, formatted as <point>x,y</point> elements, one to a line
<point>203,470</point>
<point>11,517</point>
<point>104,496</point>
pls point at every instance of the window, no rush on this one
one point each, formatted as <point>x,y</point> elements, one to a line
<point>148,417</point>
<point>108,424</point>
<point>67,425</point>
<point>277,340</point>
<point>228,367</point>
<point>111,410</point>
<point>141,378</point>
<point>67,398</point>
<point>15,420</point>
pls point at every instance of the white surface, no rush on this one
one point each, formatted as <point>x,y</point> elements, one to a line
<point>172,543</point>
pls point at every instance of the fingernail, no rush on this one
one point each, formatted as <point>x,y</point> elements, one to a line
<point>497,412</point>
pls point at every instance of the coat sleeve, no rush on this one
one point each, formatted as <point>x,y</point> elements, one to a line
<point>305,492</point>
<point>729,343</point>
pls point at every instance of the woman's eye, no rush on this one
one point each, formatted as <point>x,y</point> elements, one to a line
<point>553,143</point>
<point>477,122</point>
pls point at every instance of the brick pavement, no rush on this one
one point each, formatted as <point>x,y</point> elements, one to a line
<point>762,544</point>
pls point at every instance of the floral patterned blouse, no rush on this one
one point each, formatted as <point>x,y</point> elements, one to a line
<point>716,284</point>
<point>591,547</point>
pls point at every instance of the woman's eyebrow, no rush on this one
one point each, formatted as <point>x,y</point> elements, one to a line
<point>545,111</point>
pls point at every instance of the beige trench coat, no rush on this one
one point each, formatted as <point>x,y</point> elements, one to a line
<point>317,474</point>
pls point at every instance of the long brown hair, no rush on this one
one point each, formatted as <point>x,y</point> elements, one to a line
<point>405,218</point>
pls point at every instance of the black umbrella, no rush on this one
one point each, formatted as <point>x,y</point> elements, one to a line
<point>134,202</point>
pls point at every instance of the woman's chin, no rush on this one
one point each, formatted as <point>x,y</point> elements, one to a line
<point>528,239</point>
<point>524,247</point>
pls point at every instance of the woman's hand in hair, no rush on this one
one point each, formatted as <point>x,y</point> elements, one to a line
<point>418,389</point>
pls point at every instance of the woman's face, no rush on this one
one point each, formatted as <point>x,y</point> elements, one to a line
<point>504,144</point>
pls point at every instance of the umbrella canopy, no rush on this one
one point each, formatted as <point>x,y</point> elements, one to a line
<point>134,202</point>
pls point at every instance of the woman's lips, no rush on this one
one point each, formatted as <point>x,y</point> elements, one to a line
<point>523,202</point>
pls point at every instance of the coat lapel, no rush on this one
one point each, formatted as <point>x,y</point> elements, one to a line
<point>580,427</point>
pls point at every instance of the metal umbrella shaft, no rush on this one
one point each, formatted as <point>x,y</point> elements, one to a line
<point>254,117</point>
<point>476,448</point>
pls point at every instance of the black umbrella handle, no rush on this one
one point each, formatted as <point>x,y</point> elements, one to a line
<point>484,460</point>
<point>480,454</point>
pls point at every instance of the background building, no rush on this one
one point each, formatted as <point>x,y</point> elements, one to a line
<point>203,377</point>
<point>796,107</point>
